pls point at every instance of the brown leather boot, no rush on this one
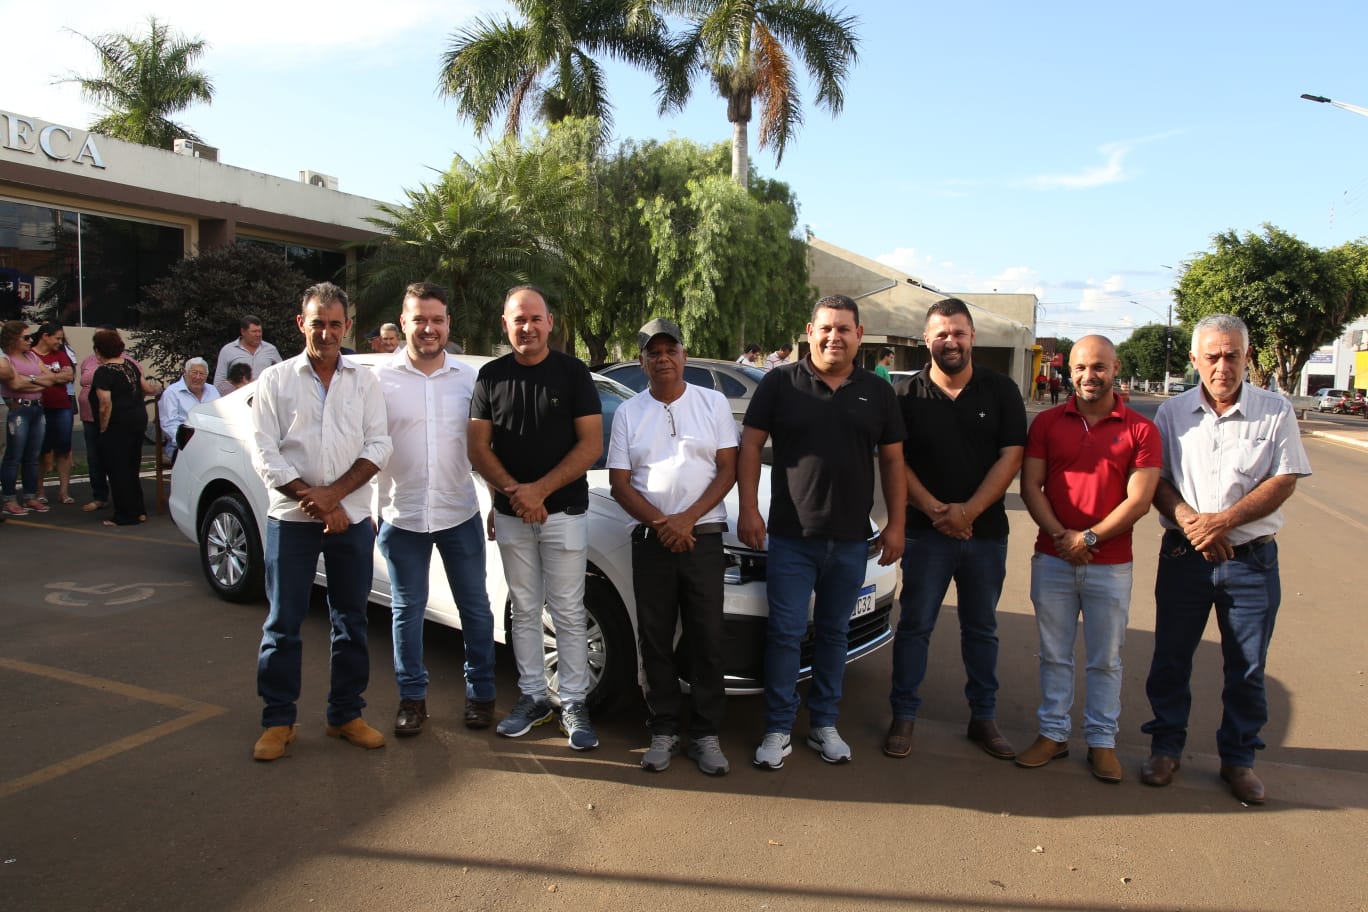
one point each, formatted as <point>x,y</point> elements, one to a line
<point>1104,763</point>
<point>898,741</point>
<point>357,732</point>
<point>984,733</point>
<point>271,744</point>
<point>1041,752</point>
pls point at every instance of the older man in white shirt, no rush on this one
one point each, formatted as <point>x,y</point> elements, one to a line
<point>180,397</point>
<point>427,500</point>
<point>1232,457</point>
<point>248,348</point>
<point>320,436</point>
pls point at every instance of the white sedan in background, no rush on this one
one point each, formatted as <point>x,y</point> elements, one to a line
<point>219,502</point>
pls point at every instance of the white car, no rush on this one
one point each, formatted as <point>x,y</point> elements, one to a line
<point>218,501</point>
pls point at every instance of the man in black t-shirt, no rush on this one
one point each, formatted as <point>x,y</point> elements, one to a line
<point>966,434</point>
<point>826,417</point>
<point>535,429</point>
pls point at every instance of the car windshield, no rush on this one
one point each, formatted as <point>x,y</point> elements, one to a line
<point>754,373</point>
<point>611,395</point>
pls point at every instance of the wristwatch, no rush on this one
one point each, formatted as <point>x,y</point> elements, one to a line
<point>1090,538</point>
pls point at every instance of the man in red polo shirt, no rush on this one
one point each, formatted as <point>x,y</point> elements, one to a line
<point>1090,472</point>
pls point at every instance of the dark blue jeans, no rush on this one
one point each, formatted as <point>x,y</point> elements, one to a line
<point>292,551</point>
<point>24,430</point>
<point>825,575</point>
<point>1246,592</point>
<point>409,556</point>
<point>978,567</point>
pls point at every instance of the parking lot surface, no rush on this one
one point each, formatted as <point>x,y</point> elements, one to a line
<point>126,779</point>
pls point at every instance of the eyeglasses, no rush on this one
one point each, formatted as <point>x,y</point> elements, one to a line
<point>669,414</point>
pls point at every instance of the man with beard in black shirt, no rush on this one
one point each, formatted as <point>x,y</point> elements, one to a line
<point>966,435</point>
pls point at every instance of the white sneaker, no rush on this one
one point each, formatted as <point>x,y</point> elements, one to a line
<point>828,742</point>
<point>772,750</point>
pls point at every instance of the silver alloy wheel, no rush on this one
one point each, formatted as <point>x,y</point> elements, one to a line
<point>226,553</point>
<point>598,651</point>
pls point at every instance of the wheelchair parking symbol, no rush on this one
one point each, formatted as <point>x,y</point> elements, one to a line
<point>101,595</point>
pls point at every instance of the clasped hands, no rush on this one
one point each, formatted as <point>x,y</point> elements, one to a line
<point>325,505</point>
<point>1206,532</point>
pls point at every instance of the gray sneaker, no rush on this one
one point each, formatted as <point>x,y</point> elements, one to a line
<point>708,754</point>
<point>827,741</point>
<point>657,756</point>
<point>527,712</point>
<point>772,751</point>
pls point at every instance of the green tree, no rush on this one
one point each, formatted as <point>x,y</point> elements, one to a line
<point>1294,297</point>
<point>143,81</point>
<point>479,229</point>
<point>1142,355</point>
<point>747,48</point>
<point>544,64</point>
<point>195,308</point>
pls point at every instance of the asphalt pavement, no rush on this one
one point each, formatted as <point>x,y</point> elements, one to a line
<point>126,779</point>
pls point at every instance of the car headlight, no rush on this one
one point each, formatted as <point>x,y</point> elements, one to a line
<point>743,566</point>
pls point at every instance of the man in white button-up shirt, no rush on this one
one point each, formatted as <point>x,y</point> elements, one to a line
<point>427,499</point>
<point>320,436</point>
<point>1232,457</point>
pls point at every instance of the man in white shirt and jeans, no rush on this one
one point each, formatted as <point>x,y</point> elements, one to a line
<point>671,460</point>
<point>427,500</point>
<point>320,436</point>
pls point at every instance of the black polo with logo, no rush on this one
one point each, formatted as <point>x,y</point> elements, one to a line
<point>822,483</point>
<point>952,443</point>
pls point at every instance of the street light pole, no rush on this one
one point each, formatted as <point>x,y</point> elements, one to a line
<point>1321,99</point>
<point>1168,338</point>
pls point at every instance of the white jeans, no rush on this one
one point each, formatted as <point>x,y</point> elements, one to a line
<point>544,564</point>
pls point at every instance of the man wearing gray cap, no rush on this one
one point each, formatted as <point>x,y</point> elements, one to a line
<point>671,460</point>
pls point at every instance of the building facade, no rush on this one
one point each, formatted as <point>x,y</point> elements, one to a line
<point>88,221</point>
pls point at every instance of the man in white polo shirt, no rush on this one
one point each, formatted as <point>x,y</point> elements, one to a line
<point>671,460</point>
<point>427,500</point>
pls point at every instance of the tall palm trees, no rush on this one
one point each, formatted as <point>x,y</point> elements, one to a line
<point>544,65</point>
<point>143,81</point>
<point>747,48</point>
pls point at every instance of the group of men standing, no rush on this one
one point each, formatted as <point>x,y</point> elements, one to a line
<point>948,442</point>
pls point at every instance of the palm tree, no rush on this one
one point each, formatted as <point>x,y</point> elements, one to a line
<point>143,80</point>
<point>747,48</point>
<point>544,65</point>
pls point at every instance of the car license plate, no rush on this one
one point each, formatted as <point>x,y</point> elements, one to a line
<point>865,603</point>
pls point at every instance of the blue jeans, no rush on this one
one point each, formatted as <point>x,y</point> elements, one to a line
<point>1100,593</point>
<point>1246,592</point>
<point>292,551</point>
<point>978,567</point>
<point>826,575</point>
<point>23,443</point>
<point>409,556</point>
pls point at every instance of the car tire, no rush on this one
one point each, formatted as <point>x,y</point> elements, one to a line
<point>612,647</point>
<point>230,550</point>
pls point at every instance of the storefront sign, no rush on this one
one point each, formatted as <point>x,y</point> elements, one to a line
<point>54,142</point>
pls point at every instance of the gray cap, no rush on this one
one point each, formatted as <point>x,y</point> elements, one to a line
<point>658,328</point>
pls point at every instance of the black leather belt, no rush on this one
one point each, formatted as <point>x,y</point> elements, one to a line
<point>1246,547</point>
<point>22,403</point>
<point>643,531</point>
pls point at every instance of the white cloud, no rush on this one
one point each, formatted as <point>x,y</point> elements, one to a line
<point>1111,172</point>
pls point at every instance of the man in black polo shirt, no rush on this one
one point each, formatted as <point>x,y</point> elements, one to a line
<point>966,431</point>
<point>826,416</point>
<point>535,429</point>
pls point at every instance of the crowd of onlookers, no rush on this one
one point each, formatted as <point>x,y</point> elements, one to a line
<point>45,386</point>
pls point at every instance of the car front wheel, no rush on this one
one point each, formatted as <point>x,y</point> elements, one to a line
<point>230,550</point>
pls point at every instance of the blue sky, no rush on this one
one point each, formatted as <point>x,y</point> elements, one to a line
<point>1069,150</point>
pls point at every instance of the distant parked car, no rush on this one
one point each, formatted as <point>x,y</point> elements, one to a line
<point>219,502</point>
<point>1179,386</point>
<point>735,381</point>
<point>1327,398</point>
